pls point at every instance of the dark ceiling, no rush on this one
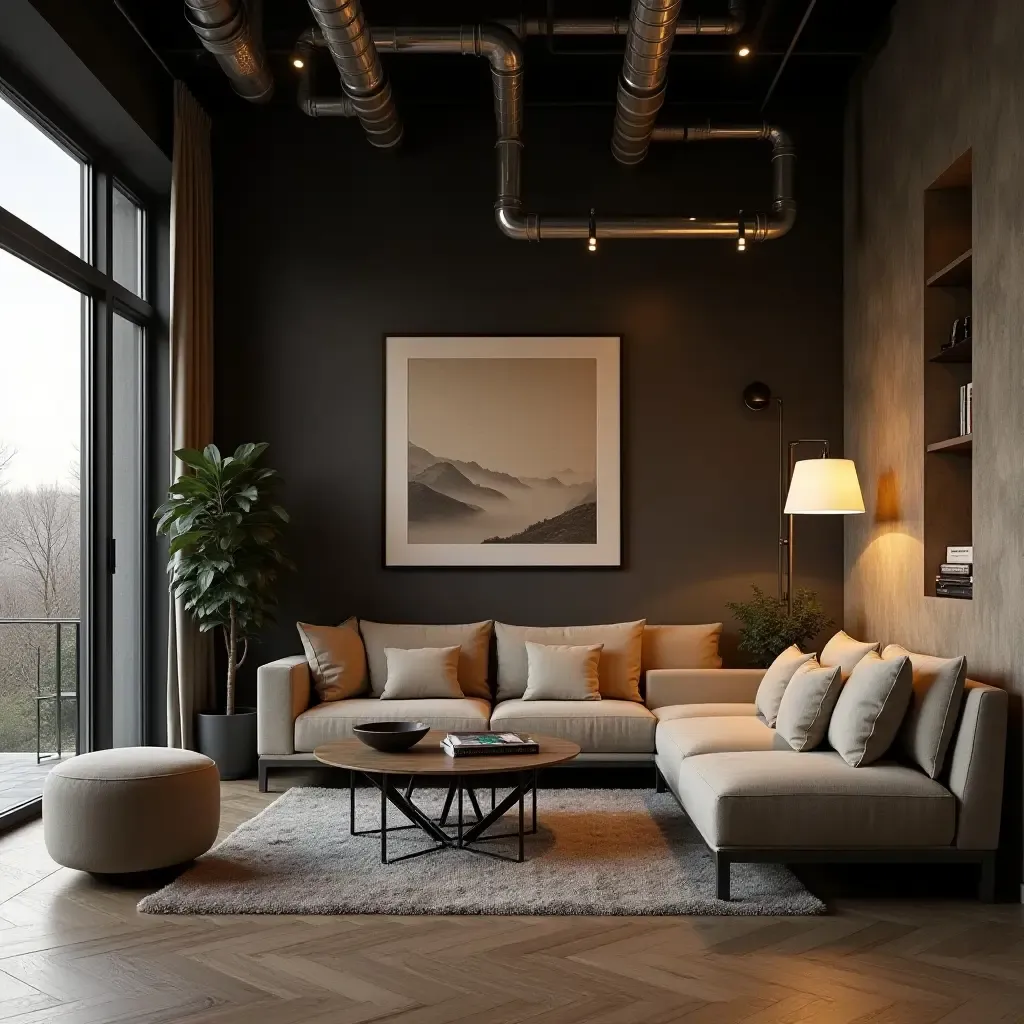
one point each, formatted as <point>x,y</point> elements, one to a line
<point>706,73</point>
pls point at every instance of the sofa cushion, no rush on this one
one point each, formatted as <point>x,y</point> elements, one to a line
<point>776,679</point>
<point>844,651</point>
<point>336,659</point>
<point>870,709</point>
<point>598,726</point>
<point>474,639</point>
<point>938,692</point>
<point>329,722</point>
<point>673,711</point>
<point>562,673</point>
<point>421,673</point>
<point>681,646</point>
<point>777,799</point>
<point>619,668</point>
<point>807,705</point>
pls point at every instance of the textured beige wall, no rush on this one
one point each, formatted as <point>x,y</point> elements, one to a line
<point>950,77</point>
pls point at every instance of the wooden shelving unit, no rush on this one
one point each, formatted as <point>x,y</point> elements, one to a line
<point>948,294</point>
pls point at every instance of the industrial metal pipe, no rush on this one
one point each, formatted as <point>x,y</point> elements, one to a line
<point>224,30</point>
<point>729,25</point>
<point>350,42</point>
<point>310,105</point>
<point>641,92</point>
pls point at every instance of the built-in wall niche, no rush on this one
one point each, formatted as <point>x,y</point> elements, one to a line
<point>949,342</point>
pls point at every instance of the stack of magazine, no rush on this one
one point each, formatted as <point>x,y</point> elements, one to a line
<point>470,744</point>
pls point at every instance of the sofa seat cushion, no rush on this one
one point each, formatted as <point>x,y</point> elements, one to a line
<point>673,711</point>
<point>680,738</point>
<point>326,723</point>
<point>812,800</point>
<point>598,726</point>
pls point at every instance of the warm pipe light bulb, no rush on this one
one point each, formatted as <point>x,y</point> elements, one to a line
<point>741,244</point>
<point>592,233</point>
<point>743,51</point>
<point>298,63</point>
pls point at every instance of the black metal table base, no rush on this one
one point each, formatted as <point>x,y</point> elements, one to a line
<point>462,834</point>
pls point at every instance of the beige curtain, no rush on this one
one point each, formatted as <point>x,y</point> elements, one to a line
<point>190,685</point>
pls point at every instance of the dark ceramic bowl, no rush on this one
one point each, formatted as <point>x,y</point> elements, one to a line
<point>391,737</point>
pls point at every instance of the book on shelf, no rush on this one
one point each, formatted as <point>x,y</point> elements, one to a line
<point>957,581</point>
<point>484,744</point>
<point>954,590</point>
<point>963,409</point>
<point>961,554</point>
<point>956,568</point>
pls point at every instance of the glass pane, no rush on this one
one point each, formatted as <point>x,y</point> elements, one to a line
<point>127,514</point>
<point>128,243</point>
<point>41,323</point>
<point>40,182</point>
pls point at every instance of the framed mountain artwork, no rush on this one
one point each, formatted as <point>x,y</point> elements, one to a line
<point>502,452</point>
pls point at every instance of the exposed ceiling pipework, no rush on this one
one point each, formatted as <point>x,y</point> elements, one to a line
<point>223,28</point>
<point>348,38</point>
<point>653,26</point>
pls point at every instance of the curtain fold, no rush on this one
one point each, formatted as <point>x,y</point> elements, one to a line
<point>190,676</point>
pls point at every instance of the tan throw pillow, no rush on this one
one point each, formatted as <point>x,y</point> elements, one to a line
<point>618,669</point>
<point>422,673</point>
<point>681,646</point>
<point>807,705</point>
<point>474,639</point>
<point>938,691</point>
<point>337,659</point>
<point>776,679</point>
<point>844,651</point>
<point>870,709</point>
<point>562,673</point>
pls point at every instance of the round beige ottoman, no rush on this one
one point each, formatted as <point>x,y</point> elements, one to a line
<point>131,809</point>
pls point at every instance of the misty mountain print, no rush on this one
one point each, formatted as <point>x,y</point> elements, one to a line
<point>457,502</point>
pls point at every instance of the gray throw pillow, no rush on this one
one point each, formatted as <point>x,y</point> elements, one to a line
<point>807,705</point>
<point>558,672</point>
<point>844,651</point>
<point>775,681</point>
<point>938,692</point>
<point>870,709</point>
<point>421,672</point>
<point>336,657</point>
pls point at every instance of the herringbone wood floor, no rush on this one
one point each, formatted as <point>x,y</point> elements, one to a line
<point>74,951</point>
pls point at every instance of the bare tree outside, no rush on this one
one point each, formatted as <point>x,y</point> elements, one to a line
<point>7,454</point>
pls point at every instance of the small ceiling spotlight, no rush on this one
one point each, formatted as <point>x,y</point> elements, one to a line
<point>743,51</point>
<point>592,233</point>
<point>298,63</point>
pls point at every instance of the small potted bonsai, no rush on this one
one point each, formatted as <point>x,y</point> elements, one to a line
<point>767,627</point>
<point>224,531</point>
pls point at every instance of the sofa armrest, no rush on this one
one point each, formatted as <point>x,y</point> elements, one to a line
<point>668,686</point>
<point>282,694</point>
<point>977,765</point>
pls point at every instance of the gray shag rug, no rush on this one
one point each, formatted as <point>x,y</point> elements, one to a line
<point>596,852</point>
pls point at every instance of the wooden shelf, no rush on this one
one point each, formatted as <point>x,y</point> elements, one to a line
<point>961,352</point>
<point>955,274</point>
<point>954,445</point>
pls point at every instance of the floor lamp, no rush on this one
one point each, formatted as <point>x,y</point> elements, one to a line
<point>821,486</point>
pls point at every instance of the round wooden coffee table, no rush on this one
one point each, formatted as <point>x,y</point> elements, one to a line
<point>464,776</point>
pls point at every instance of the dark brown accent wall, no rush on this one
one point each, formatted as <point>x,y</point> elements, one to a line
<point>949,80</point>
<point>323,246</point>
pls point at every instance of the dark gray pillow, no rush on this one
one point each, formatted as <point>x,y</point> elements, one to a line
<point>807,705</point>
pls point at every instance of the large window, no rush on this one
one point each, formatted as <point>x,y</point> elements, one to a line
<point>73,328</point>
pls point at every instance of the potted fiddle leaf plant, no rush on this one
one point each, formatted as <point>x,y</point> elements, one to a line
<point>224,530</point>
<point>767,627</point>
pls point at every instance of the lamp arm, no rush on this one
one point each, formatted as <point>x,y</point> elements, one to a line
<point>788,540</point>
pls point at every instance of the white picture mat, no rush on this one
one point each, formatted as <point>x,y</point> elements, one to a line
<point>399,552</point>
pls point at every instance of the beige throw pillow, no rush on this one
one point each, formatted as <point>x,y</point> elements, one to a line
<point>938,691</point>
<point>807,705</point>
<point>337,659</point>
<point>618,669</point>
<point>422,673</point>
<point>474,639</point>
<point>562,673</point>
<point>776,679</point>
<point>844,651</point>
<point>870,709</point>
<point>681,646</point>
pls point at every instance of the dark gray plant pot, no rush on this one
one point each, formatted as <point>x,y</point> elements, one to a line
<point>230,740</point>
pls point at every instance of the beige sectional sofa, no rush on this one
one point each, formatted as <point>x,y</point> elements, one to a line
<point>751,796</point>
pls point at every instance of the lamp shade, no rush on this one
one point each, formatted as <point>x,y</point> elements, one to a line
<point>824,487</point>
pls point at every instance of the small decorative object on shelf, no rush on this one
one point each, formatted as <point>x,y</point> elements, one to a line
<point>964,554</point>
<point>956,574</point>
<point>966,408</point>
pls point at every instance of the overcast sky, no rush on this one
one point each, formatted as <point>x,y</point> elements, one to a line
<point>40,318</point>
<point>527,417</point>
